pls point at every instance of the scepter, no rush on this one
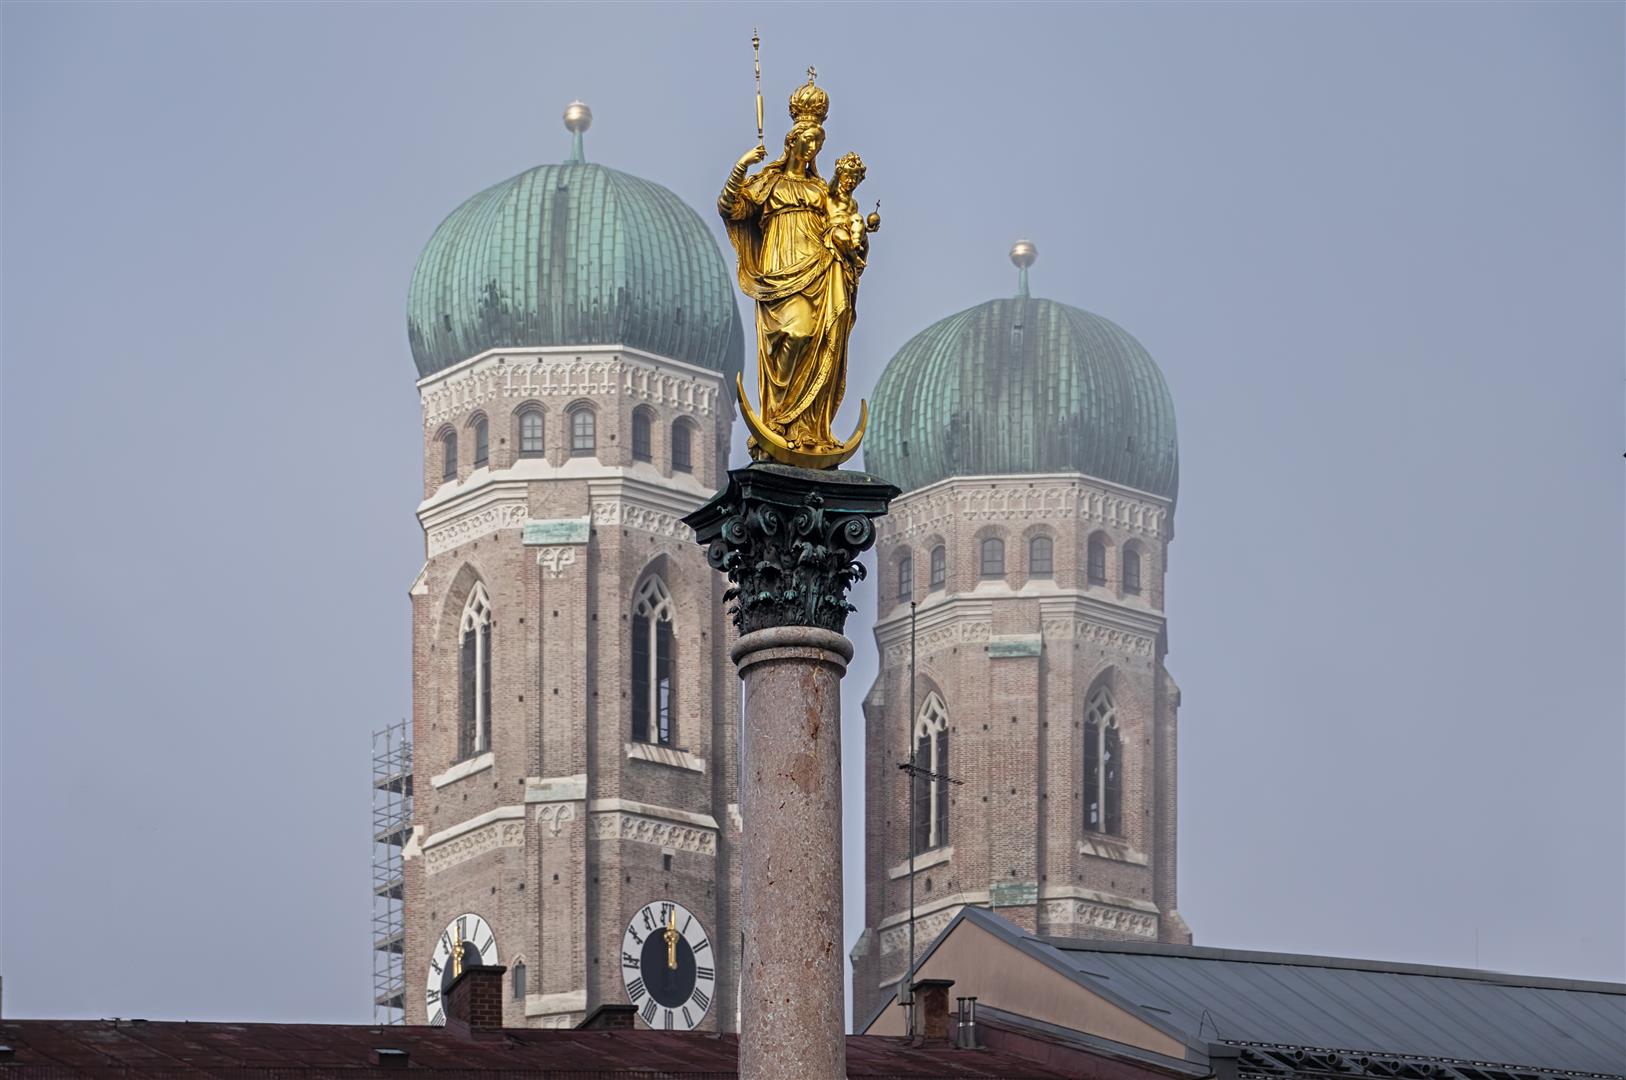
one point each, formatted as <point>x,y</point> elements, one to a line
<point>756,62</point>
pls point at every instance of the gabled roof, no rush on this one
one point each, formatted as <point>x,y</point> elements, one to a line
<point>1455,1016</point>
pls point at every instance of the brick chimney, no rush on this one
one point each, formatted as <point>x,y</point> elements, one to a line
<point>474,1002</point>
<point>932,999</point>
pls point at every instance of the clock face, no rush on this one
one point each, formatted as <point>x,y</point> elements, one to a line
<point>479,947</point>
<point>668,966</point>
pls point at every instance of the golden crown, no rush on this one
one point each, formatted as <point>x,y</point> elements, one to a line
<point>809,102</point>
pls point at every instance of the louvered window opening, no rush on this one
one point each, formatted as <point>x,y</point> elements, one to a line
<point>682,447</point>
<point>652,664</point>
<point>1103,766</point>
<point>642,441</point>
<point>929,781</point>
<point>993,558</point>
<point>1097,563</point>
<point>583,433</point>
<point>1041,557</point>
<point>474,674</point>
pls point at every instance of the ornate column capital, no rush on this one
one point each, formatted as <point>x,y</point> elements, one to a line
<point>789,541</point>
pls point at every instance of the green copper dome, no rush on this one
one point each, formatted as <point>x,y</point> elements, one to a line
<point>1023,386</point>
<point>573,254</point>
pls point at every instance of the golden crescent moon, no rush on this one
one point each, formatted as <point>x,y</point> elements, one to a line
<point>776,448</point>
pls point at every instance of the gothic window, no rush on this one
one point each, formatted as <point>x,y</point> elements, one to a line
<point>1103,766</point>
<point>929,781</point>
<point>519,980</point>
<point>906,577</point>
<point>1131,570</point>
<point>642,443</point>
<point>583,432</point>
<point>682,447</point>
<point>448,456</point>
<point>939,566</point>
<point>482,442</point>
<point>530,432</point>
<point>1041,557</point>
<point>993,557</point>
<point>1097,561</point>
<point>652,663</point>
<point>474,675</point>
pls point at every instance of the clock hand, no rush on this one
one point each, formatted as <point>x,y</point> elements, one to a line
<point>671,940</point>
<point>457,958</point>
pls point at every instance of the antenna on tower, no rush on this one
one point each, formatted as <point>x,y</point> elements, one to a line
<point>915,773</point>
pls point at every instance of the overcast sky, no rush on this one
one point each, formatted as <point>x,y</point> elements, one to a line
<point>1376,249</point>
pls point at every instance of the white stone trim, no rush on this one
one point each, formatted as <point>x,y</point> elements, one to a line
<point>420,584</point>
<point>1095,896</point>
<point>571,788</point>
<point>1105,848</point>
<point>665,835</point>
<point>665,755</point>
<point>457,521</point>
<point>1054,497</point>
<point>965,898</point>
<point>492,830</point>
<point>466,767</point>
<point>944,622</point>
<point>567,1001</point>
<point>564,374</point>
<point>501,813</point>
<point>922,861</point>
<point>664,813</point>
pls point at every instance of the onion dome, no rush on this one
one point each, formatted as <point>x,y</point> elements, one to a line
<point>1023,385</point>
<point>573,254</point>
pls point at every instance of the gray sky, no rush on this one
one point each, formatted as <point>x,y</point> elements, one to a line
<point>1376,249</point>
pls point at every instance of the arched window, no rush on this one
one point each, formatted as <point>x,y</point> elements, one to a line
<point>652,663</point>
<point>682,447</point>
<point>939,566</point>
<point>583,432</point>
<point>482,442</point>
<point>643,423</point>
<point>518,972</point>
<point>474,675</point>
<point>448,456</point>
<point>1131,570</point>
<point>930,777</point>
<point>530,433</point>
<point>1041,557</point>
<point>993,557</point>
<point>1097,568</point>
<point>906,577</point>
<point>1103,766</point>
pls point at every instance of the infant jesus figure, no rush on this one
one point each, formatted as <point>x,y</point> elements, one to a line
<point>848,228</point>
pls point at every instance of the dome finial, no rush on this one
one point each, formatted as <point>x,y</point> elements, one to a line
<point>1023,254</point>
<point>578,118</point>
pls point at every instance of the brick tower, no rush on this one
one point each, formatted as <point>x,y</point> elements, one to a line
<point>574,707</point>
<point>1035,444</point>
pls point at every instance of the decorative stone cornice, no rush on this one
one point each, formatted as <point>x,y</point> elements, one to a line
<point>619,825</point>
<point>474,523</point>
<point>789,540</point>
<point>1048,497</point>
<point>1075,916</point>
<point>460,849</point>
<point>564,375</point>
<point>945,622</point>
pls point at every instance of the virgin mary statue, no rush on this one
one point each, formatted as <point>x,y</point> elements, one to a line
<point>803,281</point>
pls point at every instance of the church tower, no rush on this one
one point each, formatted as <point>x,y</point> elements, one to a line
<point>574,707</point>
<point>1035,444</point>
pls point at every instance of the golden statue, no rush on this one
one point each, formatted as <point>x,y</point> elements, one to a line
<point>802,245</point>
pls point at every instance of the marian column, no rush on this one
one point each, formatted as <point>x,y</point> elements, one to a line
<point>788,531</point>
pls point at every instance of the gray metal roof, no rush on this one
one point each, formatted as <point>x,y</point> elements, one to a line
<point>1405,1010</point>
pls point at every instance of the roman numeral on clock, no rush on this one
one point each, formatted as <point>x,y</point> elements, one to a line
<point>688,1021</point>
<point>704,944</point>
<point>667,1018</point>
<point>648,1012</point>
<point>635,990</point>
<point>702,1001</point>
<point>630,961</point>
<point>705,973</point>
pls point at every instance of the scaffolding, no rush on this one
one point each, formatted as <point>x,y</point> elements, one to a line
<point>392,825</point>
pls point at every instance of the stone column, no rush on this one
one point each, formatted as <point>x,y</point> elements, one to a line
<point>789,540</point>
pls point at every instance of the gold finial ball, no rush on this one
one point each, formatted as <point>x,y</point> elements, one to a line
<point>1023,253</point>
<point>578,117</point>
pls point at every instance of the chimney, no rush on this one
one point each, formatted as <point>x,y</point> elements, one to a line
<point>932,1003</point>
<point>474,1002</point>
<point>965,1027</point>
